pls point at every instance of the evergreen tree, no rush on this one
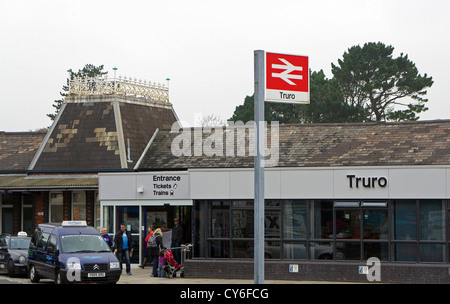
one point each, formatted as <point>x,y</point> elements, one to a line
<point>89,70</point>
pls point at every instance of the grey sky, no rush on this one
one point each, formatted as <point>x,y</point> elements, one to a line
<point>204,47</point>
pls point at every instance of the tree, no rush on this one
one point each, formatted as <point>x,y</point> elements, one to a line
<point>370,78</point>
<point>89,70</point>
<point>327,105</point>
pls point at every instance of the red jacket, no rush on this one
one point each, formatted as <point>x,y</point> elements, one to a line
<point>146,239</point>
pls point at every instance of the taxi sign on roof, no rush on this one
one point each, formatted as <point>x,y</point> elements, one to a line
<point>22,233</point>
<point>74,223</point>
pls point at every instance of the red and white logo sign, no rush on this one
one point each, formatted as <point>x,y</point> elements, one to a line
<point>287,78</point>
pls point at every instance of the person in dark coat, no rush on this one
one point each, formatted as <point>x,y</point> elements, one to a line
<point>123,247</point>
<point>177,238</point>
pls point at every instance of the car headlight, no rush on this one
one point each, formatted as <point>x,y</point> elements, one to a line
<point>22,259</point>
<point>113,265</point>
<point>74,265</point>
<point>2,256</point>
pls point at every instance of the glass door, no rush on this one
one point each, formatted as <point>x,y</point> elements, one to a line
<point>129,216</point>
<point>347,232</point>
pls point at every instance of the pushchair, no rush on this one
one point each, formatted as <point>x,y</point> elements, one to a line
<point>171,266</point>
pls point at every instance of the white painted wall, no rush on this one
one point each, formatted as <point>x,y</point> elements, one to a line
<point>287,183</point>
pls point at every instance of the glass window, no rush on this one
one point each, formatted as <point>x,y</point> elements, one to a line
<point>348,224</point>
<point>348,250</point>
<point>272,223</point>
<point>242,204</point>
<point>7,220</point>
<point>404,252</point>
<point>294,213</point>
<point>243,224</point>
<point>79,206</point>
<point>321,217</point>
<point>405,220</point>
<point>219,249</point>
<point>35,238</point>
<point>272,250</point>
<point>378,250</point>
<point>375,223</point>
<point>108,218</point>
<point>294,250</point>
<point>321,250</point>
<point>52,244</point>
<point>432,252</point>
<point>43,241</point>
<point>431,220</point>
<point>243,249</point>
<point>220,219</point>
<point>56,207</point>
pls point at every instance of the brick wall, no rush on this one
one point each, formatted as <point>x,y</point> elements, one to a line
<point>41,208</point>
<point>90,202</point>
<point>67,205</point>
<point>317,271</point>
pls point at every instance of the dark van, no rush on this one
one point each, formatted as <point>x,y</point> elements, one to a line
<point>71,252</point>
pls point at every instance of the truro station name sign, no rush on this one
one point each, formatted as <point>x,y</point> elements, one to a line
<point>366,182</point>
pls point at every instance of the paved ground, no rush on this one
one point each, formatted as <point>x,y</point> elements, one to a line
<point>142,276</point>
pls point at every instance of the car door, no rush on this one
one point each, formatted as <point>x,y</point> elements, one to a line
<point>52,255</point>
<point>41,255</point>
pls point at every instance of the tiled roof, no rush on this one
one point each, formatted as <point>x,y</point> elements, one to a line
<point>318,145</point>
<point>87,134</point>
<point>17,149</point>
<point>24,182</point>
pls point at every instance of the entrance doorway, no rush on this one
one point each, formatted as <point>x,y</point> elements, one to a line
<point>163,217</point>
<point>139,216</point>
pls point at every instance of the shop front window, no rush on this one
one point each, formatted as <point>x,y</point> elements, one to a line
<point>56,207</point>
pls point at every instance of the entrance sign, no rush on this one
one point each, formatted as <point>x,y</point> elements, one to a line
<point>286,78</point>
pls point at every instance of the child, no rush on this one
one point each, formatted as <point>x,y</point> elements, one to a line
<point>161,264</point>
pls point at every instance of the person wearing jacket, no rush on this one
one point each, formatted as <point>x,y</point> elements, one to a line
<point>123,245</point>
<point>147,255</point>
<point>155,249</point>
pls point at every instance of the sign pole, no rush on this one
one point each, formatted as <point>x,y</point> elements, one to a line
<point>259,66</point>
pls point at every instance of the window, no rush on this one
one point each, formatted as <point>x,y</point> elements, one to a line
<point>56,207</point>
<point>42,245</point>
<point>35,238</point>
<point>79,206</point>
<point>52,244</point>
<point>354,230</point>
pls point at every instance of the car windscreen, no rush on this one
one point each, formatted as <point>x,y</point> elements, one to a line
<point>83,243</point>
<point>18,243</point>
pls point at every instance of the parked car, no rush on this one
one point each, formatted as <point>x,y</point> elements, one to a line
<point>71,252</point>
<point>14,253</point>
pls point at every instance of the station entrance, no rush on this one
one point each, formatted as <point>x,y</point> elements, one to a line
<point>137,218</point>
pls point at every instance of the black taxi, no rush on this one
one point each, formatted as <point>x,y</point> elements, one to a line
<point>13,253</point>
<point>71,252</point>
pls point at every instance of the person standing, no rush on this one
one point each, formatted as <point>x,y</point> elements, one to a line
<point>124,247</point>
<point>106,237</point>
<point>147,255</point>
<point>155,245</point>
<point>161,264</point>
<point>177,238</point>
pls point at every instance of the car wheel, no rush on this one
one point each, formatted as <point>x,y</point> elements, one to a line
<point>11,269</point>
<point>34,277</point>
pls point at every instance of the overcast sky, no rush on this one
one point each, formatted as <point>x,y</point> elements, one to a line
<point>204,47</point>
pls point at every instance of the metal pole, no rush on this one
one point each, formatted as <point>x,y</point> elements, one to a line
<point>259,168</point>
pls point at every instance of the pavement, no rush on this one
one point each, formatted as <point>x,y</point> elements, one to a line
<point>142,276</point>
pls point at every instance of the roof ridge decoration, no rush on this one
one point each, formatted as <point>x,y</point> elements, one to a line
<point>150,92</point>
